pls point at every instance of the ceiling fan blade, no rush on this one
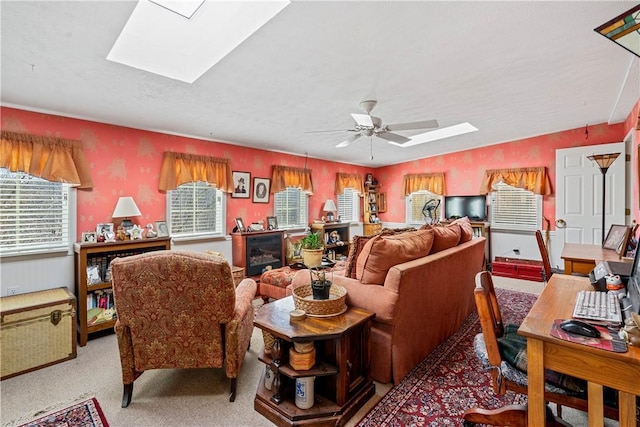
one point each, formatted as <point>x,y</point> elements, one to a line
<point>394,137</point>
<point>363,120</point>
<point>425,124</point>
<point>348,141</point>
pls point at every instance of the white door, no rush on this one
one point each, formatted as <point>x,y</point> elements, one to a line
<point>579,194</point>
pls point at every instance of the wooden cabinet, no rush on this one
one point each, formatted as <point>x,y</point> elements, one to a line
<point>342,382</point>
<point>373,203</point>
<point>93,279</point>
<point>336,237</point>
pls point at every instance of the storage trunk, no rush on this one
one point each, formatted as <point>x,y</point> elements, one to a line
<point>518,268</point>
<point>38,329</point>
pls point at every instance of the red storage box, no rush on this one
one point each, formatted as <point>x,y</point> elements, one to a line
<point>518,268</point>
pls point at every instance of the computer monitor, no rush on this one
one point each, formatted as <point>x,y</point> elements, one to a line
<point>633,285</point>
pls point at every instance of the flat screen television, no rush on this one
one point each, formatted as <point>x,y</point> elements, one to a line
<point>474,207</point>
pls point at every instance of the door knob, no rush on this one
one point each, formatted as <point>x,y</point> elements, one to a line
<point>560,223</point>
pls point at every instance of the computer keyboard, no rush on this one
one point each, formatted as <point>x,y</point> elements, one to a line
<point>603,307</point>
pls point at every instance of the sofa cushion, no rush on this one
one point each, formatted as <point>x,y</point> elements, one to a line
<point>465,229</point>
<point>444,237</point>
<point>357,243</point>
<point>384,251</point>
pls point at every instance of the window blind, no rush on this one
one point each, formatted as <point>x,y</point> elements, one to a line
<point>515,208</point>
<point>348,205</point>
<point>195,208</point>
<point>291,206</point>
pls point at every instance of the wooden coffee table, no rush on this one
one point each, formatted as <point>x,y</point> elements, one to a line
<point>343,382</point>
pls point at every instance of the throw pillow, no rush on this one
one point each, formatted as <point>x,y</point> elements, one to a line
<point>384,251</point>
<point>465,228</point>
<point>444,237</point>
<point>357,243</point>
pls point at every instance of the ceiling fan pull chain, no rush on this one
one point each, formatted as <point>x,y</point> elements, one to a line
<point>371,142</point>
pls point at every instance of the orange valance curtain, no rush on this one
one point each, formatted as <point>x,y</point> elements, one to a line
<point>348,180</point>
<point>532,179</point>
<point>285,176</point>
<point>50,158</point>
<point>433,182</point>
<point>180,168</point>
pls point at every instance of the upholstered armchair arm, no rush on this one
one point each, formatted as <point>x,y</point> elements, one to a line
<point>238,331</point>
<point>125,345</point>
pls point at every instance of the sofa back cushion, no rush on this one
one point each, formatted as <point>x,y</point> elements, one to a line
<point>384,251</point>
<point>465,229</point>
<point>445,237</point>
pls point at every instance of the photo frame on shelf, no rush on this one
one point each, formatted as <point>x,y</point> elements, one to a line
<point>368,179</point>
<point>240,225</point>
<point>261,187</point>
<point>616,238</point>
<point>89,237</point>
<point>162,230</point>
<point>241,185</point>
<point>272,223</point>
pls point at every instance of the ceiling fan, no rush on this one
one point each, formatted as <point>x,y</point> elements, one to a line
<point>368,125</point>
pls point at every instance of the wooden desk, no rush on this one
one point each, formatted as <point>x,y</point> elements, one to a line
<point>620,371</point>
<point>581,258</point>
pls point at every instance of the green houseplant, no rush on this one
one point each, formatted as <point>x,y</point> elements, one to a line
<point>312,249</point>
<point>320,285</point>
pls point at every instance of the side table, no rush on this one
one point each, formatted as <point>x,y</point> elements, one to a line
<point>343,382</point>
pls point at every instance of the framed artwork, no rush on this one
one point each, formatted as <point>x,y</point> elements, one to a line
<point>616,238</point>
<point>240,225</point>
<point>241,182</point>
<point>272,223</point>
<point>369,179</point>
<point>89,237</point>
<point>162,229</point>
<point>382,202</point>
<point>261,190</point>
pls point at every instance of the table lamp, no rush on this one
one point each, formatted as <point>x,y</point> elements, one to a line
<point>126,208</point>
<point>330,207</point>
<point>603,161</point>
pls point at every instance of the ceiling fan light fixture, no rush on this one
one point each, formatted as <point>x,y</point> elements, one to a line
<point>442,133</point>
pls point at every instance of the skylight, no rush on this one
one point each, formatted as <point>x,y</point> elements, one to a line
<point>183,39</point>
<point>437,134</point>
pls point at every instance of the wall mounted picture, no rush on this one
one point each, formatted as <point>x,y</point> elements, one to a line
<point>261,190</point>
<point>162,229</point>
<point>241,185</point>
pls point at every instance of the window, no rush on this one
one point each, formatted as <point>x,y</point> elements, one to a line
<point>515,208</point>
<point>35,214</point>
<point>349,205</point>
<point>423,207</point>
<point>196,209</point>
<point>291,206</point>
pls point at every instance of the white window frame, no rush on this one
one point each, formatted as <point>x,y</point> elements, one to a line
<point>349,200</point>
<point>419,198</point>
<point>283,197</point>
<point>19,219</point>
<point>173,212</point>
<point>514,208</point>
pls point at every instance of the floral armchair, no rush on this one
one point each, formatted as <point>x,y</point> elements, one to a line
<point>180,309</point>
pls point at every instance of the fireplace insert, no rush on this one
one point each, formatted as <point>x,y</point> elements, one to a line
<point>263,250</point>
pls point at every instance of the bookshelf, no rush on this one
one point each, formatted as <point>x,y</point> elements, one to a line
<point>93,279</point>
<point>372,206</point>
<point>335,236</point>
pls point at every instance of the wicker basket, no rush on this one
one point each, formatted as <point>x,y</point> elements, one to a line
<point>303,300</point>
<point>268,342</point>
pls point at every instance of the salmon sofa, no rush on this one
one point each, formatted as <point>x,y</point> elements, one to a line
<point>420,286</point>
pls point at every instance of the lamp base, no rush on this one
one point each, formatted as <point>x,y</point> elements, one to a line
<point>127,223</point>
<point>330,217</point>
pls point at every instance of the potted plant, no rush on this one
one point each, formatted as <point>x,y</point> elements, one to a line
<point>319,283</point>
<point>312,249</point>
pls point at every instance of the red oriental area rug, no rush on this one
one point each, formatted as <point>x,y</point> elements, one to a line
<point>451,379</point>
<point>82,414</point>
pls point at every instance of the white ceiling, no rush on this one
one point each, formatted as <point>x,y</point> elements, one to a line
<point>512,69</point>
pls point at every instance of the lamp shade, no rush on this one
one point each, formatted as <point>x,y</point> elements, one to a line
<point>126,208</point>
<point>329,206</point>
<point>604,160</point>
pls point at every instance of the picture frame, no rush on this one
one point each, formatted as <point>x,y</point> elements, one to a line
<point>382,202</point>
<point>240,225</point>
<point>162,229</point>
<point>261,187</point>
<point>89,237</point>
<point>241,185</point>
<point>272,223</point>
<point>368,179</point>
<point>616,238</point>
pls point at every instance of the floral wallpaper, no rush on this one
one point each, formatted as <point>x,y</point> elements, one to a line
<point>126,162</point>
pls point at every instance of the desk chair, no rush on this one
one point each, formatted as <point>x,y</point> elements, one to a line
<point>506,376</point>
<point>544,253</point>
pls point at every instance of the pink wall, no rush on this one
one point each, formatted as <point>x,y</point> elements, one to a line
<point>464,170</point>
<point>633,123</point>
<point>126,162</point>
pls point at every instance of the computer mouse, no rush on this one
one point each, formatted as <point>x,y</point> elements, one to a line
<point>580,328</point>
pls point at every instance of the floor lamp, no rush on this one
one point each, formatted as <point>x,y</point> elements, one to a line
<point>603,161</point>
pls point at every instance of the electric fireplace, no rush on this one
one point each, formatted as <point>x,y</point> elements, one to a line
<point>256,250</point>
